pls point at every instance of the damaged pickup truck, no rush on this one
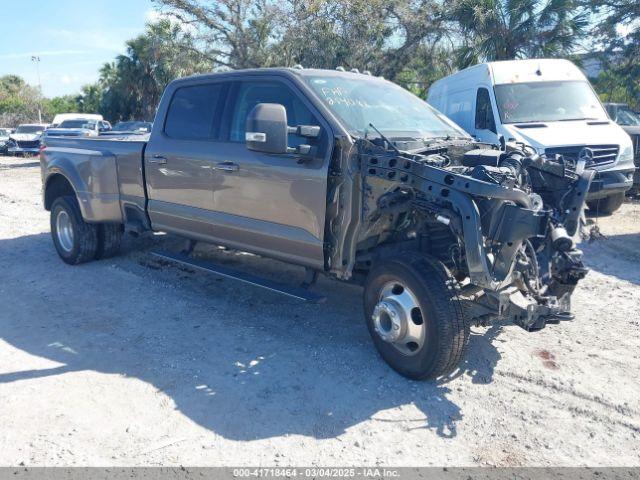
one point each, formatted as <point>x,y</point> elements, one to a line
<point>347,175</point>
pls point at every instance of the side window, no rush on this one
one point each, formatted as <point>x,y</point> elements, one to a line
<point>252,93</point>
<point>459,109</point>
<point>484,113</point>
<point>192,112</point>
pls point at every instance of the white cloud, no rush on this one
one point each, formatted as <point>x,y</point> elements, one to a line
<point>49,53</point>
<point>111,41</point>
<point>152,15</point>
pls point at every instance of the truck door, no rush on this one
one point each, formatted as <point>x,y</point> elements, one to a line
<point>272,204</point>
<point>179,159</point>
<point>485,123</point>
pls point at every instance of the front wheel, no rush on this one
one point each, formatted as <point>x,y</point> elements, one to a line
<point>76,241</point>
<point>415,317</point>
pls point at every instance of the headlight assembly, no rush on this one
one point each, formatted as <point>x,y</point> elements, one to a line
<point>626,155</point>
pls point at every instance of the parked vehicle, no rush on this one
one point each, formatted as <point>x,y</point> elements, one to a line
<point>26,139</point>
<point>79,128</point>
<point>5,133</point>
<point>61,117</point>
<point>630,123</point>
<point>549,105</point>
<point>349,176</point>
<point>131,126</point>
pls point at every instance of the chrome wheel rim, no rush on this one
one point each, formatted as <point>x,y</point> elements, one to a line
<point>398,318</point>
<point>64,231</point>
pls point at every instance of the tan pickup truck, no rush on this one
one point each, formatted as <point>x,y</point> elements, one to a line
<point>346,175</point>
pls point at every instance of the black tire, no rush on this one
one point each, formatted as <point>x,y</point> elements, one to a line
<point>83,245</point>
<point>606,205</point>
<point>109,239</point>
<point>446,326</point>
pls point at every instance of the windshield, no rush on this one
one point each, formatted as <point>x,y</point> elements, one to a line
<point>124,126</point>
<point>78,124</point>
<point>391,109</point>
<point>131,126</point>
<point>4,132</point>
<point>626,116</point>
<point>29,129</point>
<point>548,102</point>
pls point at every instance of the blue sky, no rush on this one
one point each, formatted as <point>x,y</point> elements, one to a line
<point>73,38</point>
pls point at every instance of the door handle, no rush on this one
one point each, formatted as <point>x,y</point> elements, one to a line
<point>227,167</point>
<point>157,159</point>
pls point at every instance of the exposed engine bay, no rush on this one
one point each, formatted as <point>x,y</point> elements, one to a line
<point>501,221</point>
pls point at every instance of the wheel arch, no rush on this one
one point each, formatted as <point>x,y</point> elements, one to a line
<point>57,185</point>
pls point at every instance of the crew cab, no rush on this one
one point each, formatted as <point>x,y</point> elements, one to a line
<point>346,175</point>
<point>549,105</point>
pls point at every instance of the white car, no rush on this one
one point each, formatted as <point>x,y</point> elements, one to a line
<point>26,139</point>
<point>61,117</point>
<point>547,104</point>
<point>79,127</point>
<point>5,133</point>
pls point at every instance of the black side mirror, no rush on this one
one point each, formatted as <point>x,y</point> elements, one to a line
<point>266,128</point>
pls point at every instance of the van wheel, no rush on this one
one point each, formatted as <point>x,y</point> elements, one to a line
<point>109,239</point>
<point>76,241</point>
<point>415,317</point>
<point>606,205</point>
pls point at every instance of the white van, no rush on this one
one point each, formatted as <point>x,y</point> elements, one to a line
<point>61,117</point>
<point>549,105</point>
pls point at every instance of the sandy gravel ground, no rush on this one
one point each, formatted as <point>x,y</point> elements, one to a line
<point>134,362</point>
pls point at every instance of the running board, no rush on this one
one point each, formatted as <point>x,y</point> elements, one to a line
<point>291,291</point>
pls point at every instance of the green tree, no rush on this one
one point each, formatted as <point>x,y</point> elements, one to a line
<point>19,101</point>
<point>131,86</point>
<point>63,104</point>
<point>383,36</point>
<point>618,29</point>
<point>510,29</point>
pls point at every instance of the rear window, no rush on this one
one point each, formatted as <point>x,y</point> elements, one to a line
<point>191,114</point>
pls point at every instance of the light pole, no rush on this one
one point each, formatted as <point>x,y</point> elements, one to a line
<point>36,59</point>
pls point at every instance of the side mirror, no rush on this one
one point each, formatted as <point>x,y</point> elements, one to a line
<point>266,128</point>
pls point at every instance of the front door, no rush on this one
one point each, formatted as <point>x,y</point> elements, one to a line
<point>485,123</point>
<point>272,204</point>
<point>179,161</point>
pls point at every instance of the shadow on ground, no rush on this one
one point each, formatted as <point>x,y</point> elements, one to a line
<point>20,165</point>
<point>622,259</point>
<point>243,363</point>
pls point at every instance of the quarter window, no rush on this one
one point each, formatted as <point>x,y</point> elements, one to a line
<point>192,112</point>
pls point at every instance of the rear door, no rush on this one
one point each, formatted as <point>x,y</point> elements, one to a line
<point>180,157</point>
<point>272,204</point>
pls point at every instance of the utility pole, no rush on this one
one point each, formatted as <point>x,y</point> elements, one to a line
<point>36,60</point>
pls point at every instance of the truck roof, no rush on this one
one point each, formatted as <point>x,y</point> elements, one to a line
<point>519,71</point>
<point>286,71</point>
<point>534,70</point>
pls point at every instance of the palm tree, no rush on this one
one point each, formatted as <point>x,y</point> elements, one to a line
<point>509,29</point>
<point>133,84</point>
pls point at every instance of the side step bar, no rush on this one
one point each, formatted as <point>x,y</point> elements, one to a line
<point>291,291</point>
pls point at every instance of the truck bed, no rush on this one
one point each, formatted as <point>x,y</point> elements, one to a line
<point>108,172</point>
